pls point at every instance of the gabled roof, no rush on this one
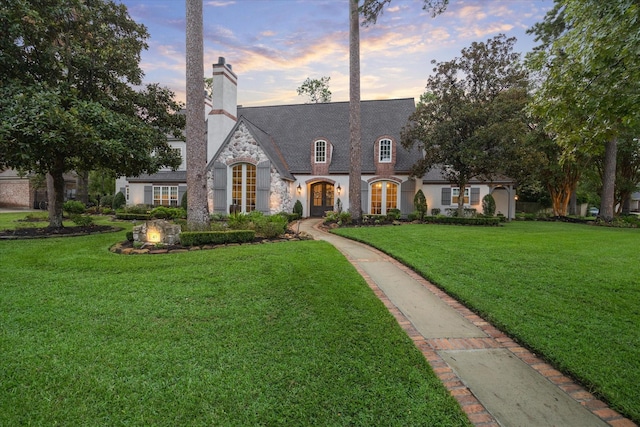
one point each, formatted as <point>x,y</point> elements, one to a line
<point>435,176</point>
<point>162,176</point>
<point>291,130</point>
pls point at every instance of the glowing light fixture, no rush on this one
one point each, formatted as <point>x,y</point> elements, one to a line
<point>299,189</point>
<point>338,189</point>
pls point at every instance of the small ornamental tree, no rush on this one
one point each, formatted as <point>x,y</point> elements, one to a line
<point>488,205</point>
<point>420,203</point>
<point>119,200</point>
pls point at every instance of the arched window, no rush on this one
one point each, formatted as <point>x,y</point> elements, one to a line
<point>321,151</point>
<point>243,187</point>
<point>385,151</point>
<point>384,196</point>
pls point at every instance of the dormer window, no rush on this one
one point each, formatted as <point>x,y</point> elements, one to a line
<point>321,151</point>
<point>385,151</point>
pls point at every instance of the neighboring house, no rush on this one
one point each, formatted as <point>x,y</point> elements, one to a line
<point>17,191</point>
<point>267,158</point>
<point>635,202</point>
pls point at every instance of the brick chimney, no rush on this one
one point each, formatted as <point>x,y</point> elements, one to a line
<point>224,108</point>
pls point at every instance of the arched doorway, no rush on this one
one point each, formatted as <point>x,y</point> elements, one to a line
<point>321,198</point>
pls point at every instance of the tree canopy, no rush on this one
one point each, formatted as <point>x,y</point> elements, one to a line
<point>316,89</point>
<point>67,102</point>
<point>589,65</point>
<point>471,119</point>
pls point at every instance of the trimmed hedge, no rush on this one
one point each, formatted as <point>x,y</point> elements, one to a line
<point>131,216</point>
<point>196,238</point>
<point>493,221</point>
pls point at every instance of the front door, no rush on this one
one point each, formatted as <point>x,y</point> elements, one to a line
<point>321,198</point>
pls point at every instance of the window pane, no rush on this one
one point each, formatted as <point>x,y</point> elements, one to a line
<point>376,198</point>
<point>392,196</point>
<point>250,188</point>
<point>321,151</point>
<point>385,150</point>
<point>236,185</point>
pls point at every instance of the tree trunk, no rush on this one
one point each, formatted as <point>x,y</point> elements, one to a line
<point>55,197</point>
<point>462,186</point>
<point>197,206</point>
<point>355,171</point>
<point>608,180</point>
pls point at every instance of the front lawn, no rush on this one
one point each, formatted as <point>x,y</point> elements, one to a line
<point>569,292</point>
<point>272,334</point>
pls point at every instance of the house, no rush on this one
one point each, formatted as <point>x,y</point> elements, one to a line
<point>267,158</point>
<point>25,191</point>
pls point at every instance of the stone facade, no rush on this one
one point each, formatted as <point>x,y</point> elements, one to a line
<point>157,231</point>
<point>242,148</point>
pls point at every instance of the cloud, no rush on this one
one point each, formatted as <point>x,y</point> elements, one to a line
<point>220,3</point>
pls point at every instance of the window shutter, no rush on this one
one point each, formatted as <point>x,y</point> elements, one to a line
<point>219,187</point>
<point>263,186</point>
<point>181,190</point>
<point>446,196</point>
<point>475,196</point>
<point>407,192</point>
<point>364,196</point>
<point>148,194</point>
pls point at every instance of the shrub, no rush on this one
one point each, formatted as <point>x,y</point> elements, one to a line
<point>271,226</point>
<point>194,238</point>
<point>488,205</point>
<point>107,201</point>
<point>183,201</point>
<point>238,221</point>
<point>338,205</point>
<point>130,236</point>
<point>297,208</point>
<point>106,211</point>
<point>420,203</point>
<point>344,218</point>
<point>74,207</point>
<point>435,211</point>
<point>393,214</point>
<point>118,200</point>
<point>413,216</point>
<point>136,209</point>
<point>218,217</point>
<point>82,220</point>
<point>164,212</point>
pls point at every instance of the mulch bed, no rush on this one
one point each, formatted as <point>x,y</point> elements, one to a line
<point>40,233</point>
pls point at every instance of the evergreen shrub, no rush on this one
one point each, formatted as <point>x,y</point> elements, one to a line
<point>74,207</point>
<point>118,201</point>
<point>195,238</point>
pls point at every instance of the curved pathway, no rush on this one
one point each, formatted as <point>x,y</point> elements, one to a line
<point>496,381</point>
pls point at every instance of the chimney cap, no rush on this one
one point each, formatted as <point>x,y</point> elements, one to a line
<point>221,60</point>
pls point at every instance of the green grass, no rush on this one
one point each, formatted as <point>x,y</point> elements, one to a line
<point>277,334</point>
<point>569,292</point>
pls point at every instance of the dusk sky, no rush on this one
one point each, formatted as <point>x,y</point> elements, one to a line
<point>274,45</point>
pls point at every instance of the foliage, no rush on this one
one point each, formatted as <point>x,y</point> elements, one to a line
<point>101,181</point>
<point>420,203</point>
<point>372,9</point>
<point>107,201</point>
<point>271,226</point>
<point>589,72</point>
<point>473,121</point>
<point>129,236</point>
<point>74,207</point>
<point>196,238</point>
<point>183,201</point>
<point>82,220</point>
<point>136,209</point>
<point>67,71</point>
<point>119,201</point>
<point>316,89</point>
<point>165,212</point>
<point>488,205</point>
<point>239,221</point>
<point>578,299</point>
<point>297,208</point>
<point>466,220</point>
<point>435,211</point>
<point>393,214</point>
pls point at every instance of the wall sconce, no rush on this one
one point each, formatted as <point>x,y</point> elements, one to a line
<point>516,197</point>
<point>299,189</point>
<point>338,189</point>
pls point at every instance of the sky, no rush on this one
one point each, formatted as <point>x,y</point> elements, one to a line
<point>274,45</point>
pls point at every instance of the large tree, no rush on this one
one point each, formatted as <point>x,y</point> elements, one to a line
<point>197,207</point>
<point>471,121</point>
<point>67,71</point>
<point>589,57</point>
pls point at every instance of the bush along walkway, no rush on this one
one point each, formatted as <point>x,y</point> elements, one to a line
<point>495,380</point>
